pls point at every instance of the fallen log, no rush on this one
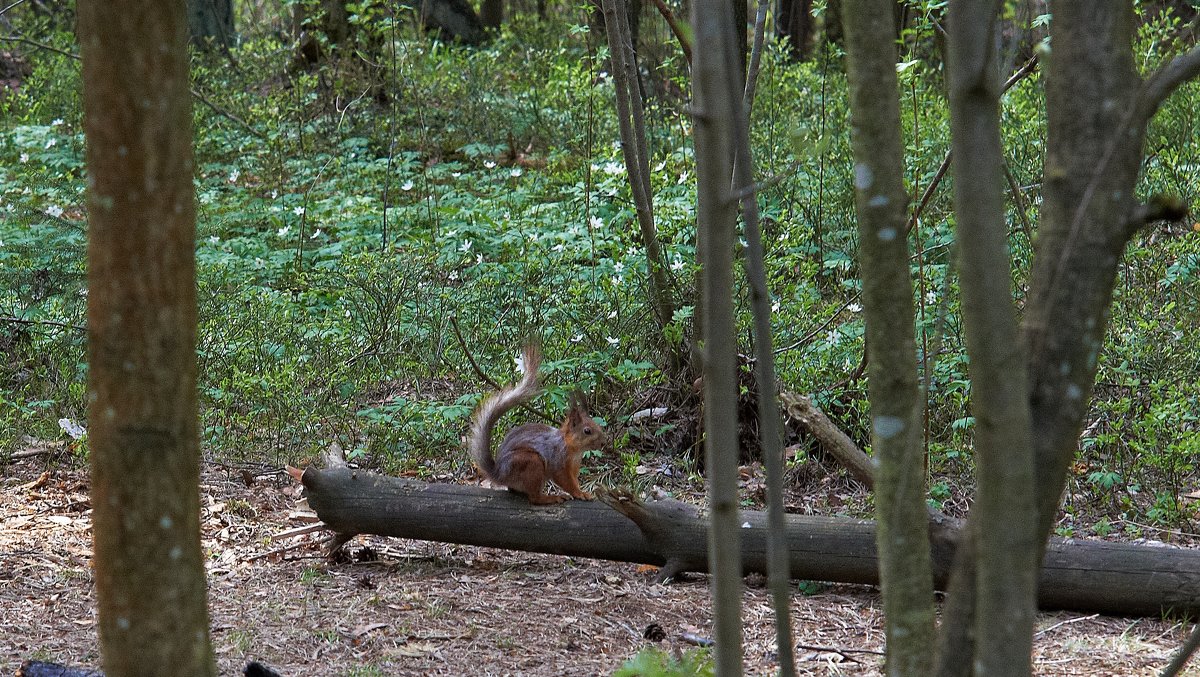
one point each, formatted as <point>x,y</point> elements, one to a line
<point>1087,576</point>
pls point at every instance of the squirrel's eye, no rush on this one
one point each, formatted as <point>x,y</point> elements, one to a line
<point>587,430</point>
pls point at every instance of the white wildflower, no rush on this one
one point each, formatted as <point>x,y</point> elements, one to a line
<point>489,163</point>
<point>465,246</point>
<point>233,176</point>
<point>282,232</point>
<point>72,428</point>
<point>24,158</point>
<point>408,185</point>
<point>516,171</point>
<point>612,341</point>
<point>298,211</point>
<point>55,211</point>
<point>854,308</point>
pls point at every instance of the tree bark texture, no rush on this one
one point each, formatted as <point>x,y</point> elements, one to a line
<point>881,202</point>
<point>1084,576</point>
<point>1004,512</point>
<point>142,415</point>
<point>771,425</point>
<point>1097,111</point>
<point>716,83</point>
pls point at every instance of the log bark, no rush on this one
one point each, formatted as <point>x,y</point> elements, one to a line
<point>1086,576</point>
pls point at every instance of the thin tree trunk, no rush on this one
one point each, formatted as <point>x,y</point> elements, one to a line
<point>770,425</point>
<point>142,414</point>
<point>905,567</point>
<point>1004,511</point>
<point>713,69</point>
<point>636,152</point>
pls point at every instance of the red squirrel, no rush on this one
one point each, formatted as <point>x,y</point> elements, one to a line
<point>532,453</point>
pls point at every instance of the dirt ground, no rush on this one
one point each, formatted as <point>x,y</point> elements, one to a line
<point>419,608</point>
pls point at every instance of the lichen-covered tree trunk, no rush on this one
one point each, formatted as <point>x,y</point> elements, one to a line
<point>713,68</point>
<point>1004,512</point>
<point>905,569</point>
<point>142,339</point>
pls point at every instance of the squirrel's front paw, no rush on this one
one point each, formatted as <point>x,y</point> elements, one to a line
<point>585,496</point>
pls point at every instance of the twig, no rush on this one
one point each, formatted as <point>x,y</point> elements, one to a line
<point>746,191</point>
<point>1025,69</point>
<point>1166,80</point>
<point>808,337</point>
<point>280,550</point>
<point>462,343</point>
<point>30,453</point>
<point>929,190</point>
<point>1068,621</point>
<point>196,94</point>
<point>1173,532</point>
<point>676,29</point>
<point>844,653</point>
<point>760,22</point>
<point>1019,201</point>
<point>227,115</point>
<point>1185,652</point>
<point>5,10</point>
<point>51,323</point>
<point>39,45</point>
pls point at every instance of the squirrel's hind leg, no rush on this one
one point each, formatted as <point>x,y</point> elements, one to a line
<point>527,474</point>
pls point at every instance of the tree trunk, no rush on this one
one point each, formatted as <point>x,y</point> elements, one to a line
<point>491,14</point>
<point>142,414</point>
<point>881,202</point>
<point>1085,576</point>
<point>1097,110</point>
<point>796,26</point>
<point>636,151</point>
<point>210,23</point>
<point>1004,513</point>
<point>717,86</point>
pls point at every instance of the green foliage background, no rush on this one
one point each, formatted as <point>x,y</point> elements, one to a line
<point>353,218</point>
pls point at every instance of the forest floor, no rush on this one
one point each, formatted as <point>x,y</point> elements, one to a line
<point>420,608</point>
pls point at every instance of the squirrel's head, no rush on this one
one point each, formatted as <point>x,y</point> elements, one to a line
<point>581,427</point>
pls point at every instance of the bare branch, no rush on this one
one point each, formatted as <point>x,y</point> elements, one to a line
<point>1166,80</point>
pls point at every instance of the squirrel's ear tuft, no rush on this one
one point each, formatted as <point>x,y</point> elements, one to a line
<point>577,401</point>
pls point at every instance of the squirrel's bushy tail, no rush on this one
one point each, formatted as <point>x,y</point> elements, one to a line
<point>495,405</point>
